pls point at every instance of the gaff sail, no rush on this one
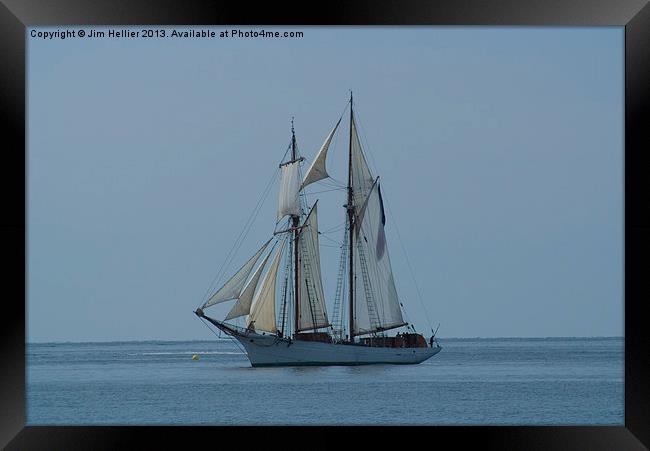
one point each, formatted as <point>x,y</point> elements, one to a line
<point>376,306</point>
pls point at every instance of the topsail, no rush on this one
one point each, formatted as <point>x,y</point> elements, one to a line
<point>317,170</point>
<point>289,201</point>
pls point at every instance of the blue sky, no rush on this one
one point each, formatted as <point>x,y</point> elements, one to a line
<point>500,152</point>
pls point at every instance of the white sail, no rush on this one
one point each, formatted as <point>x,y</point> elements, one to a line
<point>358,220</point>
<point>243,305</point>
<point>262,315</point>
<point>376,303</point>
<point>312,313</point>
<point>362,180</point>
<point>232,288</point>
<point>289,200</point>
<point>317,171</point>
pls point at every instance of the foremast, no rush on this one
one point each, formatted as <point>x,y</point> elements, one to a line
<point>309,311</point>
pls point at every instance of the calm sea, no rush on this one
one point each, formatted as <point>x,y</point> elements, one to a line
<point>471,381</point>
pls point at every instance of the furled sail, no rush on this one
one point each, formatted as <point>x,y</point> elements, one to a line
<point>377,305</point>
<point>362,180</point>
<point>262,315</point>
<point>317,170</point>
<point>243,305</point>
<point>232,288</point>
<point>312,313</point>
<point>289,201</point>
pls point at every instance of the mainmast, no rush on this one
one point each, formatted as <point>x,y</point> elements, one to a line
<point>295,222</point>
<point>350,208</point>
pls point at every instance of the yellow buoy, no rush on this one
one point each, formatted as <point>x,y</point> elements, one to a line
<point>195,357</point>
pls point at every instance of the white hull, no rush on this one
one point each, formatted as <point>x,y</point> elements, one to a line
<point>269,350</point>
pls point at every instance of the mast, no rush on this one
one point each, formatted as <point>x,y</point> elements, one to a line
<point>295,222</point>
<point>350,208</point>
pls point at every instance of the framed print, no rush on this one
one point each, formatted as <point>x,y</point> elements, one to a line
<point>228,217</point>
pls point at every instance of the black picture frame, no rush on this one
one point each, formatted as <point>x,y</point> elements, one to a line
<point>18,15</point>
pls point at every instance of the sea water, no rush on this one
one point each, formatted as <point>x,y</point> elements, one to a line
<point>513,381</point>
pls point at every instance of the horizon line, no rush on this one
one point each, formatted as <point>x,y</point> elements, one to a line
<point>226,338</point>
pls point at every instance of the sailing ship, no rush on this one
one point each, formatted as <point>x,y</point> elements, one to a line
<point>302,333</point>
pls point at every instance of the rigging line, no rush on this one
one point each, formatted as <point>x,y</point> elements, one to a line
<point>408,262</point>
<point>328,183</point>
<point>337,182</point>
<point>275,229</point>
<point>326,191</point>
<point>332,183</point>
<point>347,105</point>
<point>335,231</point>
<point>239,346</point>
<point>365,142</point>
<point>407,318</point>
<point>338,243</point>
<point>342,223</point>
<point>374,163</point>
<point>244,232</point>
<point>242,235</point>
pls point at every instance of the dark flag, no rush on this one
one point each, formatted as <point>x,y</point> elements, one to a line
<point>381,237</point>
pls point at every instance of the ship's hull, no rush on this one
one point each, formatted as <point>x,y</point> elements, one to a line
<point>269,350</point>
